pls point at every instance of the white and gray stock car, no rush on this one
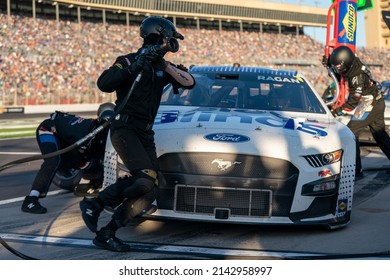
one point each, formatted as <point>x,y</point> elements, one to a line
<point>250,145</point>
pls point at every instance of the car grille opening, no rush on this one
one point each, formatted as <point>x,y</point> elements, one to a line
<point>240,202</point>
<point>251,177</point>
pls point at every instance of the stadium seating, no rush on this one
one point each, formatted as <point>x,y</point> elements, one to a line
<point>43,61</point>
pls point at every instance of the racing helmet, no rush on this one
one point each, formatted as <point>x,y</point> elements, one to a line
<point>279,98</point>
<point>160,26</point>
<point>105,111</point>
<point>341,59</point>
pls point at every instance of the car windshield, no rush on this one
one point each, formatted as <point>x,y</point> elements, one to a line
<point>247,91</point>
<point>386,90</point>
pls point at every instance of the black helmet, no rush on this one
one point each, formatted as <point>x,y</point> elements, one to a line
<point>105,111</point>
<point>341,59</point>
<point>160,26</point>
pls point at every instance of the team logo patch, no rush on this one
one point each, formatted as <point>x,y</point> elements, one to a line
<point>76,120</point>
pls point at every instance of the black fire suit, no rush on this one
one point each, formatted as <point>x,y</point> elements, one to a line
<point>361,84</point>
<point>131,132</point>
<point>60,131</point>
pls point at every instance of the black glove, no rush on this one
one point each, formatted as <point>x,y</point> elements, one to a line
<point>325,61</point>
<point>151,51</point>
<point>140,64</point>
<point>160,63</point>
<point>338,112</point>
<point>182,67</point>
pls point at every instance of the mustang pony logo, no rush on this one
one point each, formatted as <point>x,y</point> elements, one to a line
<point>224,164</point>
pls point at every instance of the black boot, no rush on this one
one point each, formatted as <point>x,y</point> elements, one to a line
<point>105,238</point>
<point>31,205</point>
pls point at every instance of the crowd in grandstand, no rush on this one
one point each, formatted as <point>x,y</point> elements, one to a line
<point>43,61</point>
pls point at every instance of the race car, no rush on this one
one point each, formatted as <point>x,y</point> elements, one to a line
<point>249,145</point>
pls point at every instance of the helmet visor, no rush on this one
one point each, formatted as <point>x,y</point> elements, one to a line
<point>339,68</point>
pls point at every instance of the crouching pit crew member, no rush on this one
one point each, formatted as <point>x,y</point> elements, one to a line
<point>58,132</point>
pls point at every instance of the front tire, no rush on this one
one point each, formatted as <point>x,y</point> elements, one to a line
<point>68,179</point>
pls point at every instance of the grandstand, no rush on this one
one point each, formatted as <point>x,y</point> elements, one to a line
<point>53,51</point>
<point>248,15</point>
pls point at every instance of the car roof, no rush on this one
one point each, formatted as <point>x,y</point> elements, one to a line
<point>386,83</point>
<point>241,70</point>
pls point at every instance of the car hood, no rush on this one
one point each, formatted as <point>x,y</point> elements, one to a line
<point>208,129</point>
<point>170,117</point>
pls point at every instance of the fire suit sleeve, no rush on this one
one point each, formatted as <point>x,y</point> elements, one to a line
<point>356,86</point>
<point>116,75</point>
<point>180,75</point>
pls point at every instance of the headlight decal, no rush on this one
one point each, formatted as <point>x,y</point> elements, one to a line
<point>319,160</point>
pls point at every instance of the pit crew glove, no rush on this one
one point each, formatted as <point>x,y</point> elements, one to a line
<point>160,63</point>
<point>338,112</point>
<point>325,61</point>
<point>182,67</point>
<point>141,64</point>
<point>342,112</point>
<point>151,51</point>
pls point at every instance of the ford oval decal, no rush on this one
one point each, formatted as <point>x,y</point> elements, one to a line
<point>226,137</point>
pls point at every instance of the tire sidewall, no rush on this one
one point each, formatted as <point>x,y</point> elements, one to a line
<point>68,181</point>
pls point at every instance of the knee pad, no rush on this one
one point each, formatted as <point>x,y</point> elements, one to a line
<point>149,173</point>
<point>131,208</point>
<point>151,196</point>
<point>143,182</point>
<point>113,194</point>
<point>127,211</point>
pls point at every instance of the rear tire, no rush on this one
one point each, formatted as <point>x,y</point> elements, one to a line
<point>68,180</point>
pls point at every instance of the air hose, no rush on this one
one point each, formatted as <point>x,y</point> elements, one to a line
<point>337,86</point>
<point>67,149</point>
<point>59,152</point>
<point>15,252</point>
<point>77,144</point>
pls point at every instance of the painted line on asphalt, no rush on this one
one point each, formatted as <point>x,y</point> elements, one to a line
<point>159,248</point>
<point>17,199</point>
<point>19,153</point>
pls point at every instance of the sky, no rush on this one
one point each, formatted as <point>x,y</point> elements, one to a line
<point>320,33</point>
